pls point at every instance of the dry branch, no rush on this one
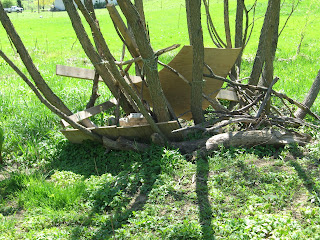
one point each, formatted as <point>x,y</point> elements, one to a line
<point>157,53</point>
<point>254,138</point>
<point>261,88</point>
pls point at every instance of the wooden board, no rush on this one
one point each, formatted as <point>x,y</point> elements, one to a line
<point>141,133</point>
<point>79,116</point>
<point>178,92</point>
<point>75,72</point>
<point>84,73</point>
<point>229,95</point>
<point>175,89</point>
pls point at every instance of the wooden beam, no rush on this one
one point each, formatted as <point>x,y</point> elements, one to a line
<point>84,73</point>
<point>79,116</point>
<point>227,95</point>
<point>75,72</point>
<point>142,132</point>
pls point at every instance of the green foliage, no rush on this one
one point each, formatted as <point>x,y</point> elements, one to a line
<point>50,194</point>
<point>185,231</point>
<point>7,3</point>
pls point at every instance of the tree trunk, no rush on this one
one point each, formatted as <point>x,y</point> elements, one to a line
<point>226,23</point>
<point>149,58</point>
<point>238,38</point>
<point>196,39</point>
<point>271,41</point>
<point>139,6</point>
<point>94,56</point>
<point>310,98</point>
<point>274,42</point>
<point>262,48</point>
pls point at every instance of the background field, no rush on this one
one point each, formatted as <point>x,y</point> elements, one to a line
<point>237,193</point>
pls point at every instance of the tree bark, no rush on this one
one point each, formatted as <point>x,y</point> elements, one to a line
<point>150,61</point>
<point>139,6</point>
<point>238,38</point>
<point>271,43</point>
<point>310,98</point>
<point>255,138</point>
<point>226,23</point>
<point>196,39</point>
<point>94,56</point>
<point>263,47</point>
<point>274,29</point>
<point>243,138</point>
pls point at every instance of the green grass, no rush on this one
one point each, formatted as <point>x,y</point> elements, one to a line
<point>52,189</point>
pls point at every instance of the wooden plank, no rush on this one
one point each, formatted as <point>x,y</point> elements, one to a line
<point>178,92</point>
<point>229,95</point>
<point>84,73</point>
<point>75,72</point>
<point>77,117</point>
<point>142,133</point>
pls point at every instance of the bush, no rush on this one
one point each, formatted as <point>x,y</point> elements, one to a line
<point>7,3</point>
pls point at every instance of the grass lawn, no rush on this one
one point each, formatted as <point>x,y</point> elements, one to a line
<point>52,189</point>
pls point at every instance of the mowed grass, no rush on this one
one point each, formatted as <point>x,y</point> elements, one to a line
<point>51,189</point>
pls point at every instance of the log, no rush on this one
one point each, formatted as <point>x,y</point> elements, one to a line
<point>124,144</point>
<point>242,138</point>
<point>254,138</point>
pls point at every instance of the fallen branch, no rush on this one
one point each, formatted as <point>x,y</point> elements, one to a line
<point>266,97</point>
<point>254,138</point>
<point>124,145</point>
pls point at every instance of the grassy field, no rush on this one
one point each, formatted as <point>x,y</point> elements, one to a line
<point>51,189</point>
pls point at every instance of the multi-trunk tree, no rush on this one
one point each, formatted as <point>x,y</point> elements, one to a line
<point>254,98</point>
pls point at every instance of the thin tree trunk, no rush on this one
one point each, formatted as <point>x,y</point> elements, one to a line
<point>226,24</point>
<point>94,56</point>
<point>113,68</point>
<point>149,58</point>
<point>238,38</point>
<point>310,98</point>
<point>261,51</point>
<point>275,18</point>
<point>271,43</point>
<point>195,32</point>
<point>139,6</point>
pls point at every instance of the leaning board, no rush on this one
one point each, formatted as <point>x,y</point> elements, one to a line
<point>178,92</point>
<point>142,133</point>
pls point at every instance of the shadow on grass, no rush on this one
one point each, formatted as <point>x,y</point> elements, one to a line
<point>205,211</point>
<point>89,159</point>
<point>308,182</point>
<point>132,173</point>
